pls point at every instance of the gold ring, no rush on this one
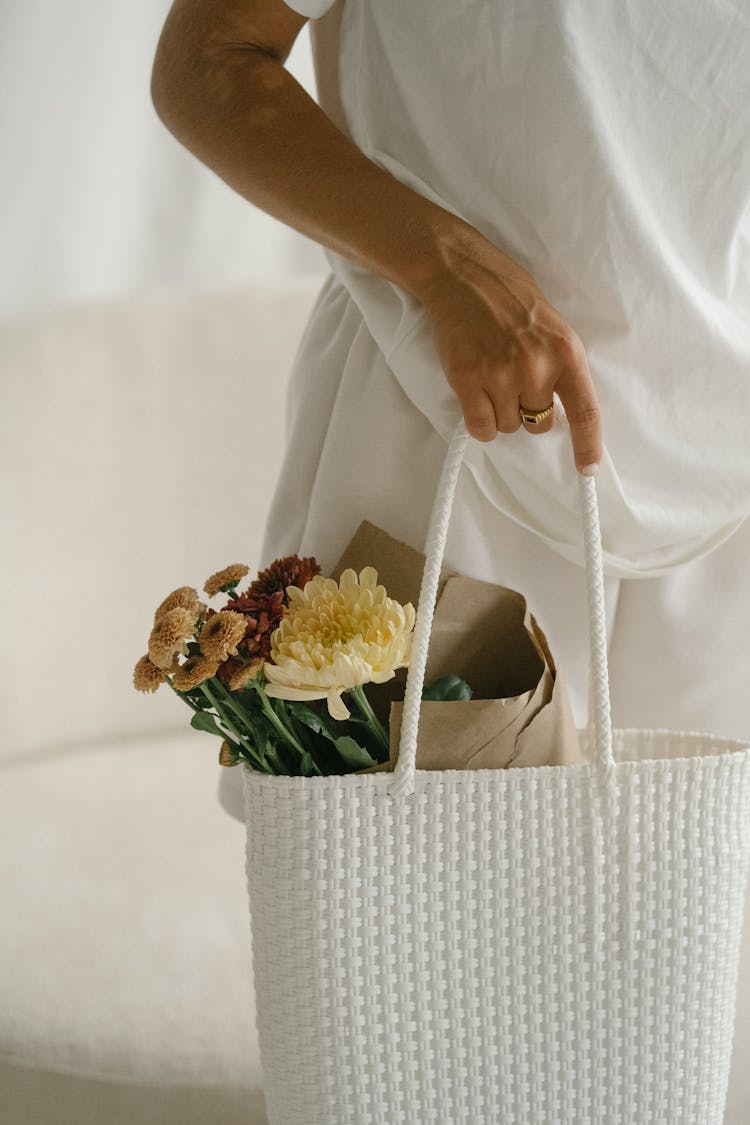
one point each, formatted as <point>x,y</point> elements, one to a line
<point>534,417</point>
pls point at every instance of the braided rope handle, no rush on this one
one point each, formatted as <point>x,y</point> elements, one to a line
<point>599,711</point>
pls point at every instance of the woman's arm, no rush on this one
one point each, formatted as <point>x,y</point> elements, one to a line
<point>220,86</point>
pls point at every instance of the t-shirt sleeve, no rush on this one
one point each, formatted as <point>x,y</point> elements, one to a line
<point>311,8</point>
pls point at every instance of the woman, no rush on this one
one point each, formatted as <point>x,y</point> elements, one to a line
<point>538,215</point>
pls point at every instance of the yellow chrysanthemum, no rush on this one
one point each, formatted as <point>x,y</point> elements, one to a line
<point>169,636</point>
<point>244,674</point>
<point>231,573</point>
<point>336,636</point>
<point>185,596</point>
<point>194,671</point>
<point>221,634</point>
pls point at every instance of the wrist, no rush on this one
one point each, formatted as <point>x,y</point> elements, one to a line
<point>444,239</point>
<point>454,248</point>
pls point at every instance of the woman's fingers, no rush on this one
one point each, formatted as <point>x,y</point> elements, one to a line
<point>487,414</point>
<point>491,410</point>
<point>525,381</point>
<point>481,416</point>
<point>503,346</point>
<point>575,387</point>
<point>479,413</point>
<point>534,405</point>
<point>563,370</point>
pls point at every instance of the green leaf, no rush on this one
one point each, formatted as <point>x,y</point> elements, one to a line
<point>201,720</point>
<point>195,695</point>
<point>306,766</point>
<point>353,754</point>
<point>275,760</point>
<point>448,687</point>
<point>312,719</point>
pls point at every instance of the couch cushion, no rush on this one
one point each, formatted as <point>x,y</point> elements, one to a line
<point>143,437</point>
<point>126,926</point>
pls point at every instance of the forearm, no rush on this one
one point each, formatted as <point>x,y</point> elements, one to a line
<point>244,115</point>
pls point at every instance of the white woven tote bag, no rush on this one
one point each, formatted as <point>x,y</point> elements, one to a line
<point>537,946</point>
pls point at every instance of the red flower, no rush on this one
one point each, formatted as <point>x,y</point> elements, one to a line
<point>262,615</point>
<point>263,605</point>
<point>288,571</point>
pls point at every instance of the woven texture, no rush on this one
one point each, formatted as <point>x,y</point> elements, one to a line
<point>542,946</point>
<point>494,951</point>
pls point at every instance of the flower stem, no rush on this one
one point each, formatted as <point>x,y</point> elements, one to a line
<point>284,730</point>
<point>358,695</point>
<point>232,726</point>
<point>227,697</point>
<point>184,698</point>
<point>273,717</point>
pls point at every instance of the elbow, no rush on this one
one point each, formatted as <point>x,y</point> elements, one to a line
<point>157,89</point>
<point>177,72</point>
<point>167,82</point>
<point>202,79</point>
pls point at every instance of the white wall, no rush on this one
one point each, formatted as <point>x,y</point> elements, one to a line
<point>96,196</point>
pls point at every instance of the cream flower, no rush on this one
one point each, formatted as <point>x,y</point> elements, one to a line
<point>335,636</point>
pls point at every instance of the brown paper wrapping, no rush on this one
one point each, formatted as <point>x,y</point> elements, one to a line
<point>519,714</point>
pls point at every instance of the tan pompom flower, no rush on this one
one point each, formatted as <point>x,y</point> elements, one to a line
<point>244,674</point>
<point>221,634</point>
<point>231,573</point>
<point>336,636</point>
<point>185,596</point>
<point>193,671</point>
<point>169,636</point>
<point>146,675</point>
<point>228,756</point>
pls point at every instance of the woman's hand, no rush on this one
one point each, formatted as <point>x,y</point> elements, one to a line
<point>502,344</point>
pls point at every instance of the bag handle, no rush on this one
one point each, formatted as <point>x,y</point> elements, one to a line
<point>600,719</point>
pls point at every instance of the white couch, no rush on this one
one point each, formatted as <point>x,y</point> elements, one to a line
<point>141,440</point>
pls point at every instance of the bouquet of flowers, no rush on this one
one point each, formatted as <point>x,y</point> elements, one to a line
<point>268,671</point>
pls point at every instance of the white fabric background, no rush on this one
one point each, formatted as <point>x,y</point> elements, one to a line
<point>96,197</point>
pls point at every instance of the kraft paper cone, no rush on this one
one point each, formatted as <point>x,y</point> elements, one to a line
<point>519,714</point>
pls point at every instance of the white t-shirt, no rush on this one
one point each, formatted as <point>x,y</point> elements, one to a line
<point>606,148</point>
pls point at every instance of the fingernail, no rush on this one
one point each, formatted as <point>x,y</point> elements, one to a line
<point>589,470</point>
